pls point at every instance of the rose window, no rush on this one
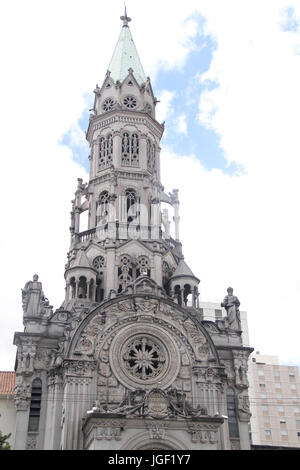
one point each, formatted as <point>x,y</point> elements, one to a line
<point>99,263</point>
<point>108,104</point>
<point>143,358</point>
<point>129,102</point>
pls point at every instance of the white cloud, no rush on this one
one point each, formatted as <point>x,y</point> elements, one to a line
<point>182,124</point>
<point>164,108</point>
<point>241,231</point>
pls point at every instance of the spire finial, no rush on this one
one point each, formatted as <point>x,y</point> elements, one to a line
<point>125,18</point>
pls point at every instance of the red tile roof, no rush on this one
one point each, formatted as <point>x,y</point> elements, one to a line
<point>7,383</point>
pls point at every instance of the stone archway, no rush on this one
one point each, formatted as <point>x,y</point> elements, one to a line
<point>143,441</point>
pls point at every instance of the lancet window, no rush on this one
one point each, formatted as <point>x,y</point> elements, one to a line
<point>35,405</point>
<point>166,276</point>
<point>102,208</point>
<point>130,149</point>
<point>151,160</point>
<point>125,273</point>
<point>143,266</point>
<point>131,204</point>
<point>99,265</point>
<point>105,151</point>
<point>232,415</point>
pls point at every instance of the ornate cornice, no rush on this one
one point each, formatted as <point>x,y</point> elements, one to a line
<point>102,121</point>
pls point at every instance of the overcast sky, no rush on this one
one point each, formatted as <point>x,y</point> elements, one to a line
<point>227,75</point>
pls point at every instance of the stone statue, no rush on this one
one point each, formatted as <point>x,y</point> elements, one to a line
<point>231,304</point>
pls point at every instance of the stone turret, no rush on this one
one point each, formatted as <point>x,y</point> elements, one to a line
<point>184,284</point>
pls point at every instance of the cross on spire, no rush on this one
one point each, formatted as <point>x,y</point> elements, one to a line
<point>125,18</point>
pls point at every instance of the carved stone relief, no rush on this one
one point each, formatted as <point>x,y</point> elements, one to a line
<point>240,364</point>
<point>203,433</point>
<point>244,406</point>
<point>22,393</point>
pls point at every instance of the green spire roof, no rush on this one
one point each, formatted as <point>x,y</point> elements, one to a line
<point>125,56</point>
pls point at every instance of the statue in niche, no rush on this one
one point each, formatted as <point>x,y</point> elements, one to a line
<point>231,304</point>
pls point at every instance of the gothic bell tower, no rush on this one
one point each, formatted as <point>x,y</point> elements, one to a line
<point>128,234</point>
<point>127,362</point>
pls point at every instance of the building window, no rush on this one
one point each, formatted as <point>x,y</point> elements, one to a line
<point>261,373</point>
<point>262,385</point>
<point>102,207</point>
<point>268,433</point>
<point>130,102</point>
<point>125,272</point>
<point>293,387</point>
<point>231,412</point>
<point>143,266</point>
<point>108,104</point>
<point>99,265</point>
<point>218,314</point>
<point>265,409</point>
<point>130,149</point>
<point>82,287</point>
<point>105,151</point>
<point>35,406</point>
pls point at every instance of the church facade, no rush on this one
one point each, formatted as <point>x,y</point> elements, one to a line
<point>127,362</point>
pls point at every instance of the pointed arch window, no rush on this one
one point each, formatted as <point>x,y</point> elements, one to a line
<point>105,151</point>
<point>102,208</point>
<point>143,266</point>
<point>232,414</point>
<point>125,272</point>
<point>130,149</point>
<point>99,264</point>
<point>35,406</point>
<point>131,204</point>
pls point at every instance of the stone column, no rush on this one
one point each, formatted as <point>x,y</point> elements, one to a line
<point>54,411</point>
<point>110,282</point>
<point>117,143</point>
<point>143,152</point>
<point>155,219</point>
<point>176,220</point>
<point>95,155</point>
<point>22,403</point>
<point>123,218</point>
<point>112,229</point>
<point>78,399</point>
<point>158,268</point>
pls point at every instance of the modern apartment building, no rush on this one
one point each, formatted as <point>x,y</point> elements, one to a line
<point>274,394</point>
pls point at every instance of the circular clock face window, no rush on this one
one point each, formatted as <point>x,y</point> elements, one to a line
<point>108,104</point>
<point>130,102</point>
